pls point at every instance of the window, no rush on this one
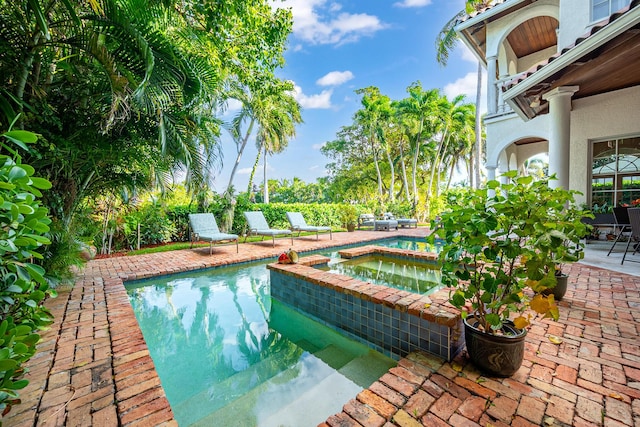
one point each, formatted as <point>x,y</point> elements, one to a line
<point>615,172</point>
<point>601,9</point>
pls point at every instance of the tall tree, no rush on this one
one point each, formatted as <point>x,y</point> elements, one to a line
<point>256,106</point>
<point>125,73</point>
<point>419,105</point>
<point>277,119</point>
<point>374,116</point>
<point>446,41</point>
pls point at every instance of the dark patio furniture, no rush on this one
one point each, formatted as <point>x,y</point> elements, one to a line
<point>634,220</point>
<point>621,216</point>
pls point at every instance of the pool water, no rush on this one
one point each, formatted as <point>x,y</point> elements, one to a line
<point>408,275</point>
<point>411,244</point>
<point>228,354</point>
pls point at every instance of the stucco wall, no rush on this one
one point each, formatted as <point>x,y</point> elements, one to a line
<point>505,131</point>
<point>612,115</point>
<point>575,18</point>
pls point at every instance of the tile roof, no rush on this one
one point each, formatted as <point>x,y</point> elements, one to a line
<point>477,12</point>
<point>526,74</point>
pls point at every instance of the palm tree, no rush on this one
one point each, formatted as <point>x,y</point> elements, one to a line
<point>131,72</point>
<point>461,138</point>
<point>374,115</point>
<point>452,116</point>
<point>445,42</point>
<point>278,116</point>
<point>419,106</point>
<point>253,109</point>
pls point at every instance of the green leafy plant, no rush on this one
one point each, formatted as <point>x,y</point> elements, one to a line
<point>502,241</point>
<point>24,225</point>
<point>348,215</point>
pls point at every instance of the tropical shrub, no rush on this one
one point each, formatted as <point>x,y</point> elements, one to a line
<point>24,225</point>
<point>154,224</point>
<point>503,240</point>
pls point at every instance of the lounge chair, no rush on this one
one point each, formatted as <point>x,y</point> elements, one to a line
<point>369,220</point>
<point>366,220</point>
<point>299,224</point>
<point>402,222</point>
<point>258,226</point>
<point>205,228</point>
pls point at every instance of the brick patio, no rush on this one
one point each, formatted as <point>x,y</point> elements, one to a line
<point>93,366</point>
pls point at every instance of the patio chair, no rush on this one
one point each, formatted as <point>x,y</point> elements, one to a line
<point>634,220</point>
<point>621,216</point>
<point>369,220</point>
<point>366,220</point>
<point>402,222</point>
<point>205,228</point>
<point>299,224</point>
<point>258,226</point>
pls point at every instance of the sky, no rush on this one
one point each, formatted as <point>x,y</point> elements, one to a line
<point>337,47</point>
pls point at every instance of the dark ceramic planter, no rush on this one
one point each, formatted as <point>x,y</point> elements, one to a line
<point>496,355</point>
<point>560,289</point>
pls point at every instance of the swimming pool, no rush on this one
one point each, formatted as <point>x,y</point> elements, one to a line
<point>412,276</point>
<point>228,354</point>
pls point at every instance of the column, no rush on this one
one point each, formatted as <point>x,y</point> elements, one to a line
<point>560,133</point>
<point>491,172</point>
<point>491,175</point>
<point>492,89</point>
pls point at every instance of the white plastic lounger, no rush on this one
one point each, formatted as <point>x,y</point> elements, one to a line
<point>205,228</point>
<point>299,224</point>
<point>258,226</point>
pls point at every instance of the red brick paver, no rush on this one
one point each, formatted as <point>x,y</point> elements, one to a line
<point>93,366</point>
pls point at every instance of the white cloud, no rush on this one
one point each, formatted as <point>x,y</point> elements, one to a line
<point>233,105</point>
<point>314,167</point>
<point>467,86</point>
<point>259,169</point>
<point>321,100</point>
<point>412,3</point>
<point>317,22</point>
<point>466,53</point>
<point>335,78</point>
<point>318,146</point>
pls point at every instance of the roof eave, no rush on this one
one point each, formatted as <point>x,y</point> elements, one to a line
<point>475,49</point>
<point>479,18</point>
<point>607,33</point>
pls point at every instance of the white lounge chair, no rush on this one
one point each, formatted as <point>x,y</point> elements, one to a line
<point>402,222</point>
<point>366,220</point>
<point>205,228</point>
<point>258,226</point>
<point>299,224</point>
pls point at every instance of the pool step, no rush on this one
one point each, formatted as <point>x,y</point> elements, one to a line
<point>305,394</point>
<point>366,369</point>
<point>234,387</point>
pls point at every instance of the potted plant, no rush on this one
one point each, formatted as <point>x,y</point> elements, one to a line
<point>496,261</point>
<point>349,217</point>
<point>561,242</point>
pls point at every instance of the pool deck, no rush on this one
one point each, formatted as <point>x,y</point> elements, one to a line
<point>93,366</point>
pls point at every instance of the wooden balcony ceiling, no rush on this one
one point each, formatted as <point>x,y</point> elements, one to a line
<point>533,35</point>
<point>477,34</point>
<point>612,65</point>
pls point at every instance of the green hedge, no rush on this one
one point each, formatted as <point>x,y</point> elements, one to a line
<point>171,223</point>
<point>24,225</point>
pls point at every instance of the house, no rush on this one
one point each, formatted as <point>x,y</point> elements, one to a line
<point>563,79</point>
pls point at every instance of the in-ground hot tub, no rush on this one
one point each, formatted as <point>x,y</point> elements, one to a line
<point>392,321</point>
<point>414,275</point>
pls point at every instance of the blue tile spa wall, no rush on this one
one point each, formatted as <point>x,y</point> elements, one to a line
<point>389,331</point>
